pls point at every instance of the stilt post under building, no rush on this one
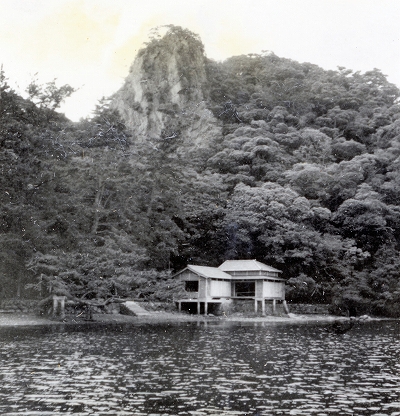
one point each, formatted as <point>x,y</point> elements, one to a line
<point>55,305</point>
<point>62,307</point>
<point>285,307</point>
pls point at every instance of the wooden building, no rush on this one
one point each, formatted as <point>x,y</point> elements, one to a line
<point>230,286</point>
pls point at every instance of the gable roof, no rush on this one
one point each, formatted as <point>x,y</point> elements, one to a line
<point>222,272</point>
<point>246,265</point>
<point>206,271</point>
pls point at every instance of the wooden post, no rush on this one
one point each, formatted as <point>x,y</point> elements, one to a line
<point>255,306</point>
<point>59,300</point>
<point>179,306</point>
<point>274,306</point>
<point>207,292</point>
<point>285,307</point>
<point>62,307</point>
<point>198,308</point>
<point>263,307</point>
<point>55,305</point>
<point>89,313</point>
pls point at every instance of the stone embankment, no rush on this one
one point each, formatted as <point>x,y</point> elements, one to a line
<point>309,309</point>
<point>18,306</point>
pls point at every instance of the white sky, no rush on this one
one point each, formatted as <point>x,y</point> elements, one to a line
<point>90,44</point>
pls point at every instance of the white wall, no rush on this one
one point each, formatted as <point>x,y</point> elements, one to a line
<point>219,288</point>
<point>274,290</point>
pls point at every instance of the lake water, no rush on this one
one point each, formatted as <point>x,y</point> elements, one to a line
<point>201,369</point>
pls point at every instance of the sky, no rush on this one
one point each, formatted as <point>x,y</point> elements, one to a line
<point>90,44</point>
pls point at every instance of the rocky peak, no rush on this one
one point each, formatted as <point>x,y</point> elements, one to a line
<point>165,93</point>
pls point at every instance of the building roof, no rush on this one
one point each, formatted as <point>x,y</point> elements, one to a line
<point>246,265</point>
<point>222,272</point>
<point>207,271</point>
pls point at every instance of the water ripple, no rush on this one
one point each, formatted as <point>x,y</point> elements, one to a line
<point>189,369</point>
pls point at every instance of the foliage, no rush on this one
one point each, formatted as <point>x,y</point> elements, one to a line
<point>305,178</point>
<point>49,95</point>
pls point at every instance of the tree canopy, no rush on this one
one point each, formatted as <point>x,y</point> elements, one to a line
<point>305,178</point>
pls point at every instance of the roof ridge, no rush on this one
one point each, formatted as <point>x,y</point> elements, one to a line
<point>257,264</point>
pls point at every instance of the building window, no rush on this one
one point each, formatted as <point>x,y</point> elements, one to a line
<point>192,286</point>
<point>245,289</point>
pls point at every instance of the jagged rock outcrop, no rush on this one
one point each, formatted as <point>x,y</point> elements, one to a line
<point>165,93</point>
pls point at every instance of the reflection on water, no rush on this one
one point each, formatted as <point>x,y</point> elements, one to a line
<point>199,369</point>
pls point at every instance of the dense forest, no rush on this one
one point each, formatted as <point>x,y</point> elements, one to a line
<point>303,174</point>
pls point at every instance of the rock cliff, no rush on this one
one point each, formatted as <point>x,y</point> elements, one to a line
<point>165,94</point>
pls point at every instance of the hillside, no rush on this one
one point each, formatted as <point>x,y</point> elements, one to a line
<point>197,161</point>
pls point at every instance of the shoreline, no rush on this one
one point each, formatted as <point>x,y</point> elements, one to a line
<point>30,319</point>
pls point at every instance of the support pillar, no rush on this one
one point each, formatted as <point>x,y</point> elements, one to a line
<point>55,305</point>
<point>89,313</point>
<point>263,307</point>
<point>205,308</point>
<point>285,307</point>
<point>274,306</point>
<point>179,306</point>
<point>62,307</point>
<point>255,306</point>
<point>198,308</point>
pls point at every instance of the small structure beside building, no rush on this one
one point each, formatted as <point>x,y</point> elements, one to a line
<point>59,306</point>
<point>236,285</point>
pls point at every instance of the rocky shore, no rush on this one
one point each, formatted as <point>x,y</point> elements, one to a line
<point>26,319</point>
